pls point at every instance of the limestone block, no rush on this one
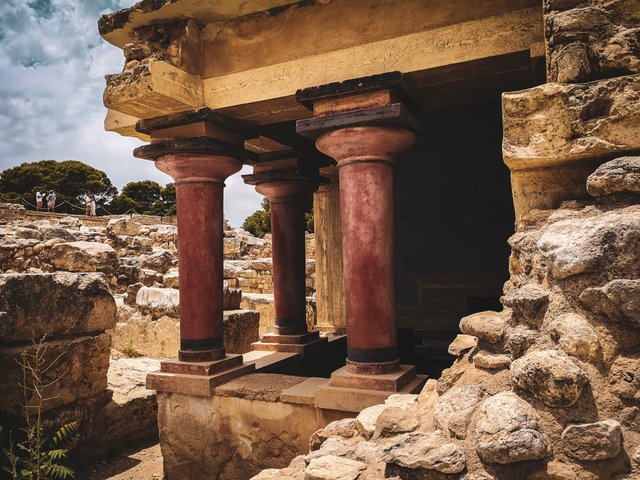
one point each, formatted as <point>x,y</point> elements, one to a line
<point>50,232</point>
<point>241,329</point>
<point>81,370</point>
<point>576,336</point>
<point>593,441</point>
<point>150,88</point>
<point>131,414</point>
<point>345,428</point>
<point>81,257</point>
<point>508,430</point>
<point>54,304</point>
<point>461,344</point>
<point>621,175</point>
<point>549,376</point>
<point>122,226</point>
<point>172,279</point>
<point>454,409</point>
<point>624,377</point>
<point>395,420</point>
<point>333,468</point>
<point>591,40</point>
<point>528,303</point>
<point>489,326</point>
<point>150,278</point>
<point>427,452</point>
<point>557,123</point>
<point>164,235</point>
<point>491,361</point>
<point>618,300</point>
<point>159,301</point>
<point>582,245</point>
<point>159,261</point>
<point>367,418</point>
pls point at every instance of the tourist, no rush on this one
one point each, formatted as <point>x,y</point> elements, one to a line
<point>39,197</point>
<point>87,204</point>
<point>51,201</point>
<point>92,205</point>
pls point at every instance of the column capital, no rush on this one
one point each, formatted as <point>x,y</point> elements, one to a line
<point>365,144</point>
<point>200,134</point>
<point>285,179</point>
<point>385,100</point>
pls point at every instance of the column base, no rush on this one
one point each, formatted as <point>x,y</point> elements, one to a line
<point>353,392</point>
<point>306,344</point>
<point>197,378</point>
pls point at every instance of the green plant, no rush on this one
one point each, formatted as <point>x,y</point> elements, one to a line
<point>40,455</point>
<point>130,351</point>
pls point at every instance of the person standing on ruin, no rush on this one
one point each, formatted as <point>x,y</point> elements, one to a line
<point>51,202</point>
<point>39,197</point>
<point>92,205</point>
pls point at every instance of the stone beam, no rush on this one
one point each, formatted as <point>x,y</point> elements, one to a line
<point>152,89</point>
<point>487,37</point>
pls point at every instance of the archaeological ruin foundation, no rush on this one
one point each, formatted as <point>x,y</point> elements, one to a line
<point>468,307</point>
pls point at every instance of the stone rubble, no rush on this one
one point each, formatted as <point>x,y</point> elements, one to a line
<point>547,389</point>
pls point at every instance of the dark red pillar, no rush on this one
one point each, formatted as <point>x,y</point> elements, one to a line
<point>365,156</point>
<point>287,201</point>
<point>199,181</point>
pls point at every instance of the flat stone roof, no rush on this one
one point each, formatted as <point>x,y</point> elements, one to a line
<point>117,27</point>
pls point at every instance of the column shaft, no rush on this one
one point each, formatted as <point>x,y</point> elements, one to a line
<point>366,199</point>
<point>200,220</point>
<point>288,255</point>
<point>199,183</point>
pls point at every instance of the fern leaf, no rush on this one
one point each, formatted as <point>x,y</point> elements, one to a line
<point>66,434</point>
<point>57,454</point>
<point>58,472</point>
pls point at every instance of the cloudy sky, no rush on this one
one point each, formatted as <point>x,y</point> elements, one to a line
<point>52,67</point>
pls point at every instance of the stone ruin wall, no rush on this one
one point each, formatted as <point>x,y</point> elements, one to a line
<point>103,294</point>
<point>547,388</point>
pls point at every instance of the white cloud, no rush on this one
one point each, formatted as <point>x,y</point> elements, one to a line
<point>52,67</point>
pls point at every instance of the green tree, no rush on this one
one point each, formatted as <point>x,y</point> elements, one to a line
<point>146,197</point>
<point>259,222</point>
<point>71,181</point>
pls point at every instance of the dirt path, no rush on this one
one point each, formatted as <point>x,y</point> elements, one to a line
<point>143,462</point>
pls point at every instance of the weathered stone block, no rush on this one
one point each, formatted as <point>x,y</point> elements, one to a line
<point>593,441</point>
<point>583,245</point>
<point>576,336</point>
<point>53,304</point>
<point>618,300</point>
<point>80,370</point>
<point>549,376</point>
<point>489,326</point>
<point>454,409</point>
<point>557,123</point>
<point>508,430</point>
<point>621,175</point>
<point>81,257</point>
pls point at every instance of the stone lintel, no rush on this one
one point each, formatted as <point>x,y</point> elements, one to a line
<point>196,145</point>
<point>198,385</point>
<point>303,349</point>
<point>123,124</point>
<point>266,177</point>
<point>357,399</point>
<point>392,115</point>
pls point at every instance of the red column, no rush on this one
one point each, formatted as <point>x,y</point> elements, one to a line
<point>365,157</point>
<point>287,201</point>
<point>199,181</point>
